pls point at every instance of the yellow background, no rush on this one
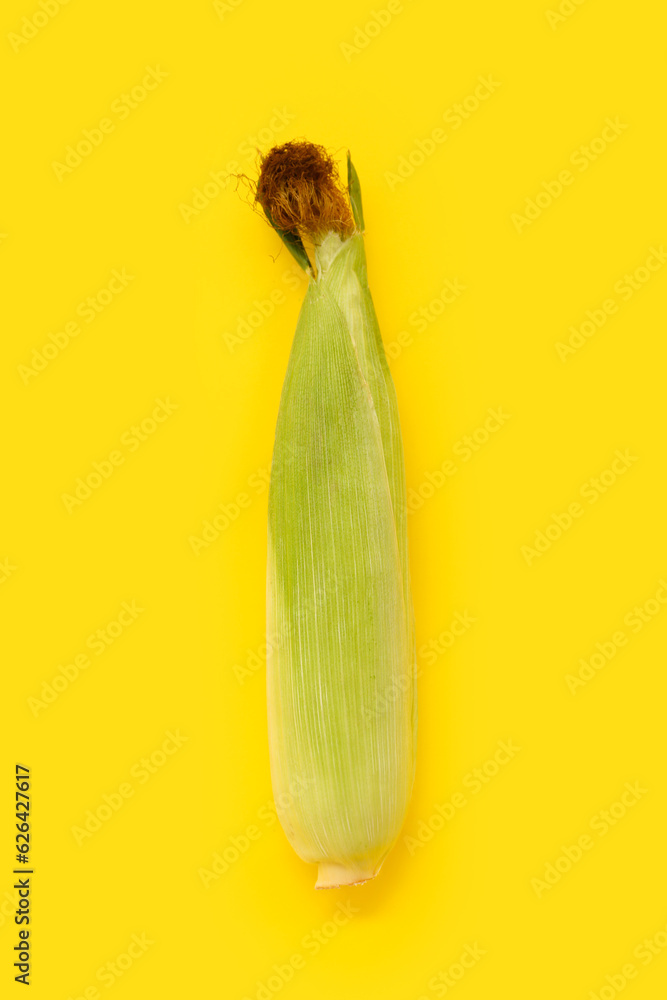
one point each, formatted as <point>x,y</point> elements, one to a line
<point>162,337</point>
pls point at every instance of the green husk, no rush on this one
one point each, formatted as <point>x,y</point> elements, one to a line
<point>341,678</point>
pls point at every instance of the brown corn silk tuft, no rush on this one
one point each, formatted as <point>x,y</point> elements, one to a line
<point>299,189</point>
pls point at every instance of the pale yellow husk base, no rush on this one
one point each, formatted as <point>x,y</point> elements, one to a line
<point>331,875</point>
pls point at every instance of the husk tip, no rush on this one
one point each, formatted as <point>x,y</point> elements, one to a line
<point>331,875</point>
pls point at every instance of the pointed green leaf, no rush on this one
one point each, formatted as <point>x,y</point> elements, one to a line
<point>354,192</point>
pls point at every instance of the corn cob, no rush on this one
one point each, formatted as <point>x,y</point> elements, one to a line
<point>341,678</point>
